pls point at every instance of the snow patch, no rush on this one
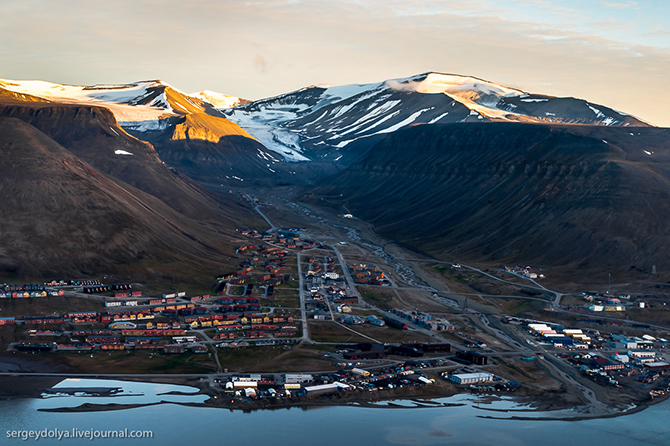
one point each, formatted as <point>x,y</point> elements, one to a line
<point>117,98</point>
<point>145,126</point>
<point>385,107</point>
<point>434,83</point>
<point>598,113</point>
<point>403,123</point>
<point>336,93</point>
<point>434,120</point>
<point>282,141</point>
<point>218,100</point>
<point>161,101</point>
<point>381,121</point>
<point>121,152</point>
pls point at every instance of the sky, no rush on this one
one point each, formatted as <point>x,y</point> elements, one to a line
<point>615,53</point>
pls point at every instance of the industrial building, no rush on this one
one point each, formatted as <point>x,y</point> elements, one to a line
<point>321,389</point>
<point>473,357</point>
<point>298,378</point>
<point>471,378</point>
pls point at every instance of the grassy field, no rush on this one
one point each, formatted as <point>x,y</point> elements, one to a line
<point>388,334</point>
<point>454,275</point>
<point>9,334</point>
<point>236,290</point>
<point>241,359</point>
<point>327,331</point>
<point>574,300</point>
<point>293,284</point>
<point>46,306</point>
<point>659,315</point>
<point>285,300</point>
<point>131,362</point>
<point>467,281</point>
<point>298,359</point>
<point>377,296</point>
<point>523,307</point>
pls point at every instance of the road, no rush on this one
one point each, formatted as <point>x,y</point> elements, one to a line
<point>536,286</point>
<point>303,307</point>
<point>272,226</point>
<point>595,406</point>
<point>347,275</point>
<point>301,285</point>
<point>520,348</point>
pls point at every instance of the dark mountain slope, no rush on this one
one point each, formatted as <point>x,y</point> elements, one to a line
<point>591,198</point>
<point>211,149</point>
<point>92,134</point>
<point>59,215</point>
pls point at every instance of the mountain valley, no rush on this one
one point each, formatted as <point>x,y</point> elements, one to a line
<point>454,166</point>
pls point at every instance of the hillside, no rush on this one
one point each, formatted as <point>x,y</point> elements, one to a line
<point>61,216</point>
<point>190,135</point>
<point>583,197</point>
<point>92,134</point>
<point>213,150</point>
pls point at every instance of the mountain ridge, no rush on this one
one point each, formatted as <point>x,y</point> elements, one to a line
<point>585,198</point>
<point>322,122</point>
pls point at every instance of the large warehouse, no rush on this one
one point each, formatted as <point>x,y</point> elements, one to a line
<point>471,378</point>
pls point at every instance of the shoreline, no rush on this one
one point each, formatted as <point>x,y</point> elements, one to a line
<point>307,405</point>
<point>22,386</point>
<point>419,401</point>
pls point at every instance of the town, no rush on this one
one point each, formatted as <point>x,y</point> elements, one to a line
<point>354,320</point>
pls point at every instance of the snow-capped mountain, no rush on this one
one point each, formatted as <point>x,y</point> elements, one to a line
<point>323,121</point>
<point>186,131</point>
<point>219,100</point>
<point>333,123</point>
<point>139,106</point>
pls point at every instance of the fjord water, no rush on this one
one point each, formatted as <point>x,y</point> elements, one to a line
<point>175,424</point>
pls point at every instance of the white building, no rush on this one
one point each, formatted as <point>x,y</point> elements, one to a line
<point>624,359</point>
<point>471,378</point>
<point>323,388</point>
<point>625,343</point>
<point>298,378</point>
